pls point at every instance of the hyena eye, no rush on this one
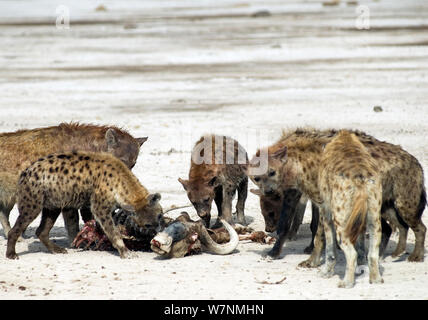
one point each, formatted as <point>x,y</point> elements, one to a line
<point>256,179</point>
<point>272,173</point>
<point>206,200</point>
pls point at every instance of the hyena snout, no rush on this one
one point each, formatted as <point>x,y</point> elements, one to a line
<point>270,228</point>
<point>205,217</point>
<point>268,190</point>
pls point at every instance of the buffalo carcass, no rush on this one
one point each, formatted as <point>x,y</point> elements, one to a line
<point>184,236</point>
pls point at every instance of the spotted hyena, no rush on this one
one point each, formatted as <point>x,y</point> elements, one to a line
<point>294,163</point>
<point>217,171</point>
<point>21,148</point>
<point>284,214</point>
<point>72,180</point>
<point>351,191</point>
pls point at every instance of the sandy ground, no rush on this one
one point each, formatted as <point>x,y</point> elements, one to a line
<point>175,70</point>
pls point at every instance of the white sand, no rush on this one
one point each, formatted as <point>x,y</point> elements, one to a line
<point>183,68</point>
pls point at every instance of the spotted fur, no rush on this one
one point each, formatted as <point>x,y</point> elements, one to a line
<point>19,149</point>
<point>219,180</point>
<point>351,192</point>
<point>73,180</point>
<point>294,163</point>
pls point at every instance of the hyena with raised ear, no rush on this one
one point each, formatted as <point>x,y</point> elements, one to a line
<point>73,180</point>
<point>217,170</point>
<point>21,148</point>
<point>351,189</point>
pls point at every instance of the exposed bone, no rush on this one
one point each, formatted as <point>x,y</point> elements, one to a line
<point>216,248</point>
<point>258,236</point>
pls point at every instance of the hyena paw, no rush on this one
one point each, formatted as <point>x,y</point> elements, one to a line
<point>414,257</point>
<point>376,280</point>
<point>345,284</point>
<point>397,252</point>
<point>12,256</point>
<point>59,250</point>
<point>128,255</point>
<point>308,264</point>
<point>326,272</point>
<point>267,258</point>
<point>272,254</point>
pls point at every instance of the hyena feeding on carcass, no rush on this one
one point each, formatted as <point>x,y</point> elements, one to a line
<point>284,213</point>
<point>217,171</point>
<point>351,190</point>
<point>403,196</point>
<point>21,148</point>
<point>184,236</point>
<point>73,180</point>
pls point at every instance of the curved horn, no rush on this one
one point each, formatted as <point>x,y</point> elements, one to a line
<point>216,248</point>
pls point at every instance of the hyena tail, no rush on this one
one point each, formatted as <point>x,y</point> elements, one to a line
<point>357,221</point>
<point>422,203</point>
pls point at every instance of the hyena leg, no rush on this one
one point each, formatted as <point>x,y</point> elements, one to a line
<point>5,210</point>
<point>105,219</point>
<point>313,227</point>
<point>48,220</point>
<point>413,220</point>
<point>330,245</point>
<point>361,249</point>
<point>391,215</point>
<point>288,212</point>
<point>26,215</point>
<point>351,258</point>
<point>226,207</point>
<point>218,199</point>
<point>71,222</point>
<point>386,234</point>
<point>315,259</point>
<point>375,236</point>
<point>298,217</point>
<point>242,196</point>
<point>86,214</point>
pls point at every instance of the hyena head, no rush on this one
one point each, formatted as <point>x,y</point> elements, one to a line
<point>201,194</point>
<point>278,174</point>
<point>124,146</point>
<point>271,209</point>
<point>150,216</point>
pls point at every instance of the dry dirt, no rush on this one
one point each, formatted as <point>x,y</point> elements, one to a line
<point>175,70</point>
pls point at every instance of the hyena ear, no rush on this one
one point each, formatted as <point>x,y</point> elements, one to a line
<point>281,154</point>
<point>214,182</point>
<point>141,140</point>
<point>111,138</point>
<point>184,183</point>
<point>257,192</point>
<point>154,198</point>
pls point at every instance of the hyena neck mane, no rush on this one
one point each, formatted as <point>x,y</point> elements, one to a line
<point>202,172</point>
<point>129,191</point>
<point>356,161</point>
<point>303,160</point>
<point>134,193</point>
<point>89,137</point>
